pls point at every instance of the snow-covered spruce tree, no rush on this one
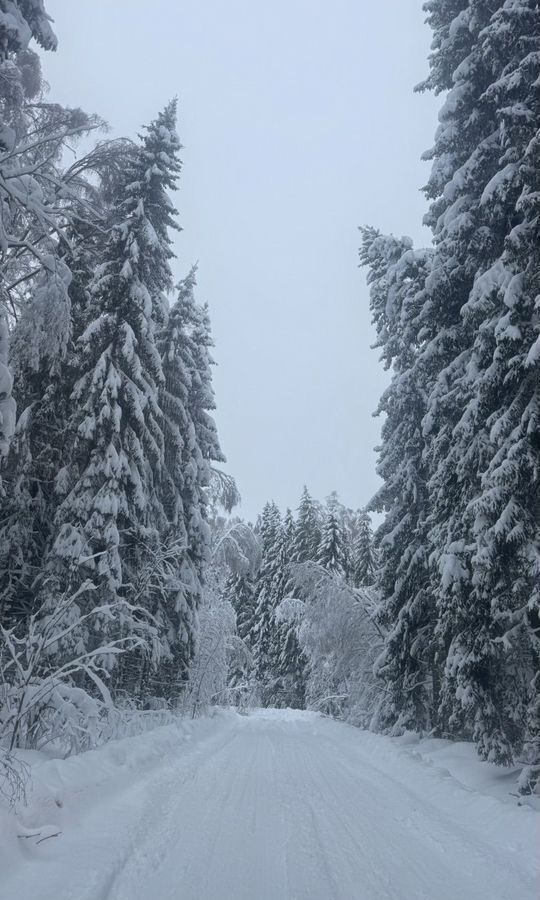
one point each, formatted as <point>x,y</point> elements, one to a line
<point>108,524</point>
<point>202,402</point>
<point>364,562</point>
<point>36,454</point>
<point>465,155</point>
<point>477,371</point>
<point>330,553</point>
<point>504,308</point>
<point>178,484</point>
<point>347,519</point>
<point>290,662</point>
<point>397,276</point>
<point>190,444</point>
<point>206,449</point>
<point>42,365</point>
<point>53,309</point>
<point>482,413</point>
<point>307,531</point>
<point>291,668</point>
<point>506,352</point>
<point>240,591</point>
<point>39,201</point>
<point>263,636</point>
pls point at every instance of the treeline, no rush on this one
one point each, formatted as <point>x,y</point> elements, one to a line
<point>330,542</point>
<point>104,537</point>
<point>458,325</point>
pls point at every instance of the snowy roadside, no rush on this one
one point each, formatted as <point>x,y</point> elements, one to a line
<point>61,792</point>
<point>450,777</point>
<point>312,803</point>
<point>460,761</point>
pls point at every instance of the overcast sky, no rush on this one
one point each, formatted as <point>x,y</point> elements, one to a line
<point>299,123</point>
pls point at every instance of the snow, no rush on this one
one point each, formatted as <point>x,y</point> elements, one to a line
<point>16,26</point>
<point>497,185</point>
<point>275,805</point>
<point>533,355</point>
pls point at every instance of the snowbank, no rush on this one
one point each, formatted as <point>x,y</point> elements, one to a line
<point>459,760</point>
<point>60,791</point>
<point>451,778</point>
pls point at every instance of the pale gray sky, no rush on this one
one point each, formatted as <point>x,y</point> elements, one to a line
<point>299,123</point>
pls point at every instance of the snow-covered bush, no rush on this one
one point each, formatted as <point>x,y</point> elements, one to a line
<point>340,640</point>
<point>209,670</point>
<point>14,776</point>
<point>221,671</point>
<point>234,546</point>
<point>68,701</point>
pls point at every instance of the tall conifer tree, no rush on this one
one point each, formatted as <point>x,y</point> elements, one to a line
<point>290,663</point>
<point>475,370</point>
<point>397,277</point>
<point>108,522</point>
<point>363,564</point>
<point>481,296</point>
<point>331,553</point>
<point>307,532</point>
<point>190,444</point>
<point>264,630</point>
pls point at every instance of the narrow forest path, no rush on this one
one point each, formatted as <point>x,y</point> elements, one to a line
<point>281,805</point>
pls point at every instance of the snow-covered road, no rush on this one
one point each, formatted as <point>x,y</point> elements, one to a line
<point>282,805</point>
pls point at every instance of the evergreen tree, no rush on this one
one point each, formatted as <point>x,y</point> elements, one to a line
<point>330,553</point>
<point>290,662</point>
<point>179,485</point>
<point>307,532</point>
<point>397,279</point>
<point>291,667</point>
<point>263,637</point>
<point>239,591</point>
<point>107,525</point>
<point>190,443</point>
<point>481,296</point>
<point>202,402</point>
<point>506,356</point>
<point>459,570</point>
<point>36,457</point>
<point>39,244</point>
<point>363,553</point>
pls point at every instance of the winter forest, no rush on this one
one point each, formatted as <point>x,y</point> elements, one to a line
<point>131,592</point>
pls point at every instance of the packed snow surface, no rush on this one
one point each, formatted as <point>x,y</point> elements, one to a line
<point>272,806</point>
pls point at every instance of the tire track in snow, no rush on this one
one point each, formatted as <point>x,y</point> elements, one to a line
<point>283,806</point>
